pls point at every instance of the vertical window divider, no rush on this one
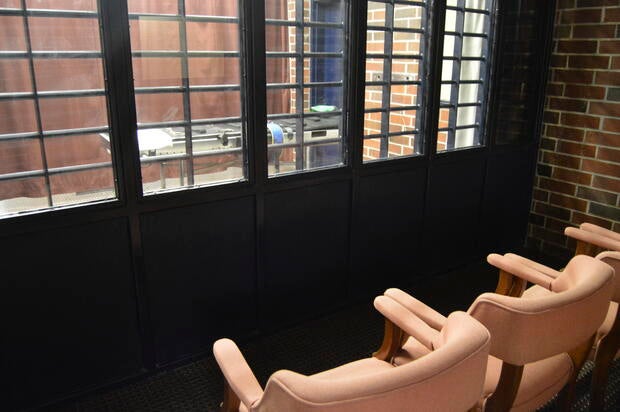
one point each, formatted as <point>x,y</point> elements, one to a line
<point>486,88</point>
<point>187,110</point>
<point>388,50</point>
<point>356,89</point>
<point>299,77</point>
<point>421,97</point>
<point>37,107</point>
<point>456,73</point>
<point>433,77</point>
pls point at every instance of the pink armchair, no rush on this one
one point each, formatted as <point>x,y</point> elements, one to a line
<point>448,378</point>
<point>538,343</point>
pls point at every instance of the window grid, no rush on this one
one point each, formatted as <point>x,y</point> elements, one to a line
<point>229,131</point>
<point>300,115</point>
<point>455,82</point>
<point>36,96</point>
<point>387,80</point>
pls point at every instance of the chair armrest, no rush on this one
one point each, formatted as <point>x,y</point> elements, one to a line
<point>593,238</point>
<point>534,265</point>
<point>520,270</point>
<point>237,372</point>
<point>429,315</point>
<point>589,227</point>
<point>406,320</point>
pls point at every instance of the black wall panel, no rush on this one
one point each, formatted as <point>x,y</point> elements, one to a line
<point>200,275</point>
<point>506,204</point>
<point>69,319</point>
<point>387,234</point>
<point>306,237</point>
<point>451,222</point>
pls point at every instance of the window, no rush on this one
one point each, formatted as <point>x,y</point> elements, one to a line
<point>53,109</point>
<point>188,86</point>
<point>464,79</point>
<point>395,53</point>
<point>305,45</point>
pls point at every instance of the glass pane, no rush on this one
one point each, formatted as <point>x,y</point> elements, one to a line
<point>466,116</point>
<point>404,95</point>
<point>372,123</point>
<point>402,145</point>
<point>406,43</point>
<point>374,70</point>
<point>54,182</point>
<point>470,70</point>
<point>372,149</point>
<point>206,118</point>
<point>402,121</point>
<point>468,93</point>
<point>473,46</point>
<point>405,70</point>
<point>474,23</point>
<point>280,70</point>
<point>465,138</point>
<point>281,101</point>
<point>12,76</point>
<point>375,41</point>
<point>376,13</point>
<point>407,16</point>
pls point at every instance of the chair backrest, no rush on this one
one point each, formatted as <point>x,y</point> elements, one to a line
<point>612,258</point>
<point>525,330</point>
<point>448,378</point>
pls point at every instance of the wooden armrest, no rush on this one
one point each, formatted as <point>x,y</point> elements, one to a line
<point>512,267</point>
<point>429,315</point>
<point>239,377</point>
<point>590,243</point>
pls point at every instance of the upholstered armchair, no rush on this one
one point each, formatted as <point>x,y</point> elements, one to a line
<point>539,342</point>
<point>448,378</point>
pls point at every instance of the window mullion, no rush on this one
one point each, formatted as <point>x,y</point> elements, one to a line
<point>187,110</point>
<point>456,74</point>
<point>388,50</point>
<point>299,80</point>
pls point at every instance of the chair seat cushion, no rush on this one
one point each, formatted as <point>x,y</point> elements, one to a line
<point>411,350</point>
<point>540,382</point>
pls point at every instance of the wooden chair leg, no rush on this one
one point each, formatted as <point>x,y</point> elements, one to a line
<point>231,401</point>
<point>579,355</point>
<point>392,342</point>
<point>506,391</point>
<point>605,353</point>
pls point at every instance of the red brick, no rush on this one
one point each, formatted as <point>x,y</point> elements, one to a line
<point>552,211</point>
<point>548,235</point>
<point>605,109</point>
<point>556,159</point>
<point>598,196</point>
<point>562,31</point>
<point>573,76</point>
<point>603,139</point>
<point>551,117</point>
<point>568,202</point>
<point>579,218</point>
<point>558,61</point>
<point>588,62</point>
<point>615,63</point>
<point>569,105</point>
<point>556,186</point>
<point>586,92</point>
<point>566,4</point>
<point>547,144</point>
<point>555,225</point>
<point>576,149</point>
<point>596,3</point>
<point>577,46</point>
<point>601,168</point>
<point>612,14</point>
<point>541,195</point>
<point>555,89</point>
<point>606,183</point>
<point>569,175</point>
<point>581,16</point>
<point>594,31</point>
<point>580,120</point>
<point>611,155</point>
<point>565,133</point>
<point>610,47</point>
<point>611,125</point>
<point>610,78</point>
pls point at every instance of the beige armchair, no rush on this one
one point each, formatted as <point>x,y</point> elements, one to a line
<point>538,343</point>
<point>448,378</point>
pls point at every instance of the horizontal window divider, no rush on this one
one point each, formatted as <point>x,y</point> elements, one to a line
<point>306,114</point>
<point>215,88</point>
<point>181,123</point>
<point>293,23</point>
<point>189,17</point>
<point>54,171</point>
<point>310,141</point>
<point>468,10</point>
<point>274,54</point>
<point>395,29</point>
<point>73,132</point>
<point>185,156</point>
<point>395,56</point>
<point>408,3</point>
<point>49,13</point>
<point>396,82</point>
<point>465,34</point>
<point>272,86</point>
<point>373,136</point>
<point>18,136</point>
<point>190,54</point>
<point>467,126</point>
<point>71,93</point>
<point>390,134</point>
<point>51,54</point>
<point>392,109</point>
<point>473,104</point>
<point>180,89</point>
<point>469,82</point>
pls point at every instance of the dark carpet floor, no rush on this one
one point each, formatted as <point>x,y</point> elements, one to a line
<point>313,346</point>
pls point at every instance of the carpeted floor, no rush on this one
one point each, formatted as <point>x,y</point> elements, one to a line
<point>313,346</point>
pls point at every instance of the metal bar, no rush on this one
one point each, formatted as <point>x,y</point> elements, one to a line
<point>309,143</point>
<point>291,23</point>
<point>88,54</point>
<point>306,85</point>
<point>397,82</point>
<point>185,156</point>
<point>456,74</point>
<point>388,42</point>
<point>482,97</point>
<point>37,107</point>
<point>396,29</point>
<point>187,110</point>
<point>305,115</point>
<point>180,54</point>
<point>400,56</point>
<point>299,79</point>
<point>309,54</point>
<point>49,13</point>
<point>182,89</point>
<point>51,94</point>
<point>420,118</point>
<point>54,171</point>
<point>183,18</point>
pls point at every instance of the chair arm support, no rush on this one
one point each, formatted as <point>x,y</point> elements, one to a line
<point>237,372</point>
<point>535,265</point>
<point>520,270</point>
<point>592,238</point>
<point>406,321</point>
<point>429,315</point>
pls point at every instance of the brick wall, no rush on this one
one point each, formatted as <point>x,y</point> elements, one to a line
<point>578,176</point>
